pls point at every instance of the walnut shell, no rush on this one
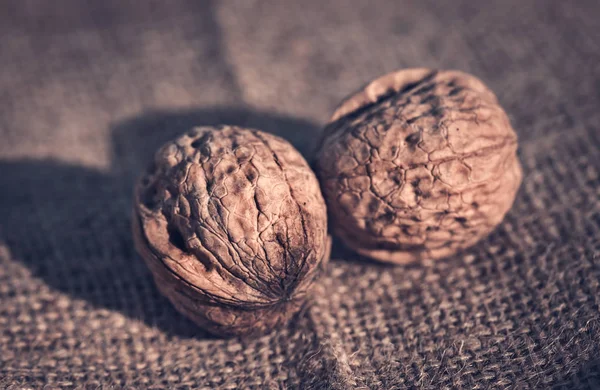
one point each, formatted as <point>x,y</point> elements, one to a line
<point>233,226</point>
<point>418,164</point>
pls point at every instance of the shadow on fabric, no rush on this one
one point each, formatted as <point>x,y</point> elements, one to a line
<point>588,377</point>
<point>71,225</point>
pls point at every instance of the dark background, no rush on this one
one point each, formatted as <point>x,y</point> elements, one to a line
<point>89,89</point>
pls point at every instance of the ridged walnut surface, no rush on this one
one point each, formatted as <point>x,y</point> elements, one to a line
<point>418,164</point>
<point>233,225</point>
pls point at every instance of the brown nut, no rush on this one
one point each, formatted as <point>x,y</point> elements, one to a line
<point>418,164</point>
<point>233,226</point>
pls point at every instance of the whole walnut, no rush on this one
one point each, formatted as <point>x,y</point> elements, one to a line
<point>418,164</point>
<point>233,226</point>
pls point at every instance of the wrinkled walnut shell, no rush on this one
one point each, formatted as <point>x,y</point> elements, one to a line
<point>418,164</point>
<point>233,226</point>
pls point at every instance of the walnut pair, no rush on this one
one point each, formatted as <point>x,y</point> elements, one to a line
<point>232,222</point>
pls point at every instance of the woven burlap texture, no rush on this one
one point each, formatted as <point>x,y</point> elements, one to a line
<point>88,90</point>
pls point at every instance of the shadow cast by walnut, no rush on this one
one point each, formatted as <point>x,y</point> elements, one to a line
<point>71,225</point>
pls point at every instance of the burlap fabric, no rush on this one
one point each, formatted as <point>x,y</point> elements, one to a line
<point>88,89</point>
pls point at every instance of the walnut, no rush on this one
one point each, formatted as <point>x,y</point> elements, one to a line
<point>233,226</point>
<point>418,164</point>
